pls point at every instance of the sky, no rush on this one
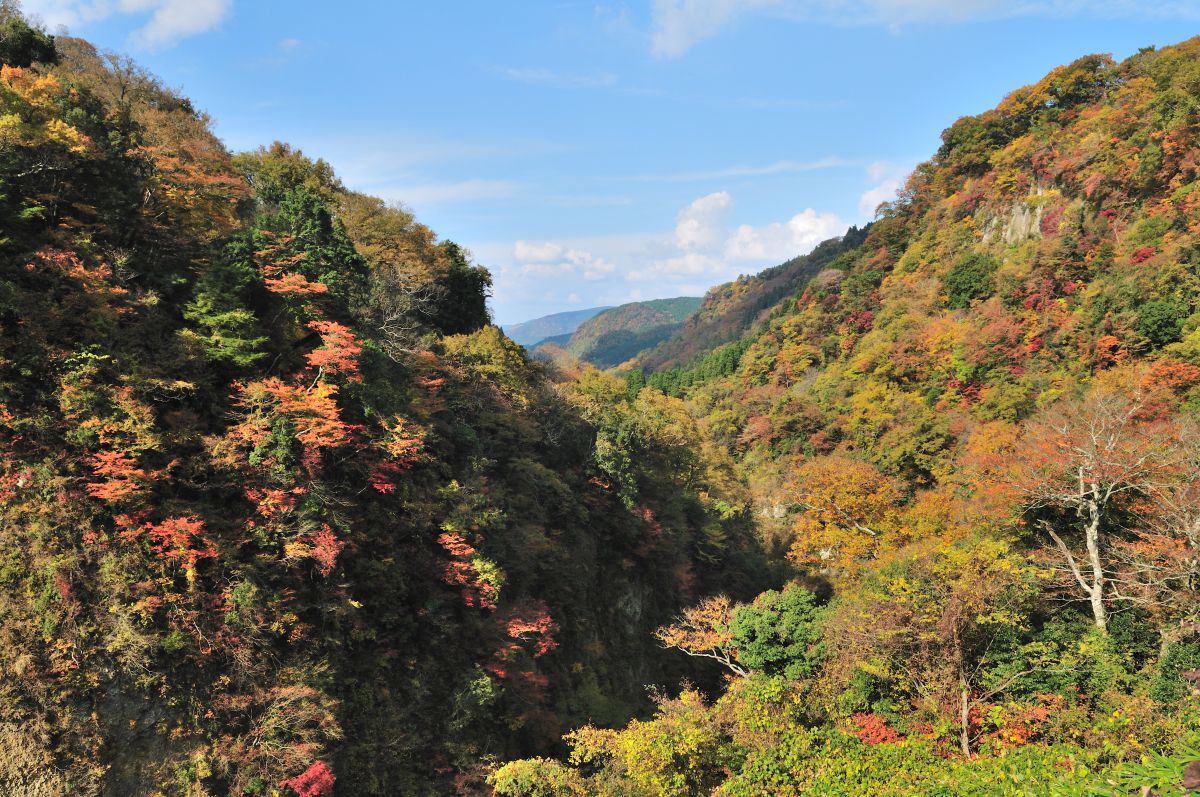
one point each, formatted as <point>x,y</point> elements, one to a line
<point>595,153</point>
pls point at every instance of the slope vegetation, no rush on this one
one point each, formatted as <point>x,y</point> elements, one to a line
<point>974,433</point>
<point>619,334</point>
<point>531,333</point>
<point>281,513</point>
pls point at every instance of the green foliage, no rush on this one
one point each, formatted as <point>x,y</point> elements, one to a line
<point>1160,321</point>
<point>1168,687</point>
<point>20,44</point>
<point>779,634</point>
<point>970,278</point>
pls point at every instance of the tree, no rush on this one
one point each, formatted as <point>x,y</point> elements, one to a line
<point>779,633</point>
<point>20,44</point>
<point>931,622</point>
<point>1092,457</point>
<point>970,278</point>
<point>847,512</point>
<point>1157,566</point>
<point>704,631</point>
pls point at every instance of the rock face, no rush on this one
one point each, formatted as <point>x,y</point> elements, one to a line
<point>1022,222</point>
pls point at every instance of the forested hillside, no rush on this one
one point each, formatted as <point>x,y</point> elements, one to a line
<point>732,310</point>
<point>972,430</point>
<point>621,333</point>
<point>281,512</point>
<point>533,332</point>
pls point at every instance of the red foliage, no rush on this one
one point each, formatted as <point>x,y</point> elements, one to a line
<point>339,350</point>
<point>861,320</point>
<point>178,539</point>
<point>122,479</point>
<point>316,781</point>
<point>272,503</point>
<point>1109,351</point>
<point>1143,254</point>
<point>461,572</point>
<point>1172,375</point>
<point>295,285</point>
<point>325,547</point>
<point>873,729</point>
<point>532,623</point>
<point>314,411</point>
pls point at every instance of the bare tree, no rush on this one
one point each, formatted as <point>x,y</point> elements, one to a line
<point>1095,456</point>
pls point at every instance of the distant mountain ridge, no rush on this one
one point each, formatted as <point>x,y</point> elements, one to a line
<point>532,332</point>
<point>621,333</point>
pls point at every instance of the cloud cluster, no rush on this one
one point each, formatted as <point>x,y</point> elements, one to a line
<point>703,249</point>
<point>680,24</point>
<point>555,260</point>
<point>169,20</point>
<point>706,245</point>
<point>887,179</point>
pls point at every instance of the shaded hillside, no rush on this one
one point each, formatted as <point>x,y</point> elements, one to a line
<point>621,333</point>
<point>729,311</point>
<point>281,513</point>
<point>530,333</point>
<point>978,435</point>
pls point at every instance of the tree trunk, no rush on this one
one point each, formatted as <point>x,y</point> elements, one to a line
<point>964,738</point>
<point>1096,589</point>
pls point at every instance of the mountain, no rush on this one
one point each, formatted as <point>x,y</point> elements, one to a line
<point>973,429</point>
<point>281,513</point>
<point>620,333</point>
<point>530,333</point>
<point>728,311</point>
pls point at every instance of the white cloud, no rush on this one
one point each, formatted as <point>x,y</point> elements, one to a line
<point>704,245</point>
<point>778,242</point>
<point>446,193</point>
<point>701,225</point>
<point>545,77</point>
<point>704,248</point>
<point>679,24</point>
<point>170,20</point>
<point>778,167</point>
<point>550,259</point>
<point>887,178</point>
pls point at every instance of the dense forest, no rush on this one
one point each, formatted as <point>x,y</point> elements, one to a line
<point>971,428</point>
<point>282,513</point>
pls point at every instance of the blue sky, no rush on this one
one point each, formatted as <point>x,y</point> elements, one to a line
<point>600,152</point>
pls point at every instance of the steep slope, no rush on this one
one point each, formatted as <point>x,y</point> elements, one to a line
<point>977,435</point>
<point>280,511</point>
<point>618,334</point>
<point>731,310</point>
<point>532,332</point>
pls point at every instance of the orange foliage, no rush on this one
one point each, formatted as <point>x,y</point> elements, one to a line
<point>122,479</point>
<point>339,350</point>
<point>295,285</point>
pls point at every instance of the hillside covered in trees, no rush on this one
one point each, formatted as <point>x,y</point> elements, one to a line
<point>282,513</point>
<point>534,331</point>
<point>971,428</point>
<point>618,334</point>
